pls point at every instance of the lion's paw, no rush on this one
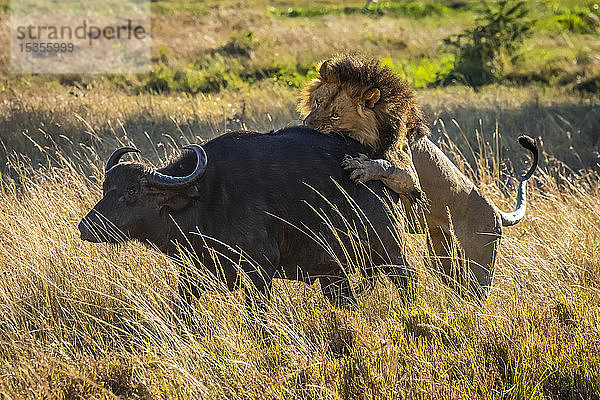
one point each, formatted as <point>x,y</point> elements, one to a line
<point>362,168</point>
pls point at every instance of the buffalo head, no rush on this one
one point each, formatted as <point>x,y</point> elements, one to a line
<point>137,200</point>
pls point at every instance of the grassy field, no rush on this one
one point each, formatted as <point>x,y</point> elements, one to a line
<point>79,320</point>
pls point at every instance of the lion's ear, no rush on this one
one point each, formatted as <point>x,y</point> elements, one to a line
<point>325,71</point>
<point>371,97</point>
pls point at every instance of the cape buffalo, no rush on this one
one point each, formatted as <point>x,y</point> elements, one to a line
<point>263,202</point>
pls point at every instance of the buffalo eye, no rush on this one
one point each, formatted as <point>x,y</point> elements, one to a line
<point>131,193</point>
<point>334,116</point>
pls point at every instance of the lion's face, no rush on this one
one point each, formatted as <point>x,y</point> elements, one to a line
<point>333,107</point>
<point>364,100</point>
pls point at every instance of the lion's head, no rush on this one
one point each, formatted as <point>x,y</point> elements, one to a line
<point>364,100</point>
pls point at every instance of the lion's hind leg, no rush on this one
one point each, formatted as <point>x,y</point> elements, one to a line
<point>480,238</point>
<point>466,247</point>
<point>465,258</point>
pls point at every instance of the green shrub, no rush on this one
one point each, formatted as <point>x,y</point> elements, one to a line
<point>412,9</point>
<point>163,54</point>
<point>578,19</point>
<point>589,85</point>
<point>240,44</point>
<point>212,78</point>
<point>290,73</point>
<point>422,72</point>
<point>483,51</point>
<point>161,79</point>
<point>218,72</point>
<point>209,77</point>
<point>289,78</point>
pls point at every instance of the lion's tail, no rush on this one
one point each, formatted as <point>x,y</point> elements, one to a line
<point>509,219</point>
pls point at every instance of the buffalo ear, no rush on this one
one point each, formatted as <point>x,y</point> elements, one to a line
<point>172,201</point>
<point>180,200</point>
<point>325,71</point>
<point>193,192</point>
<point>177,203</point>
<point>370,97</point>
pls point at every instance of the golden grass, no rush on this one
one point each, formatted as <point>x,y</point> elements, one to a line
<point>96,321</point>
<point>79,320</point>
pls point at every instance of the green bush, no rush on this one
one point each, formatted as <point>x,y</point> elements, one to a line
<point>295,76</point>
<point>422,72</point>
<point>160,80</point>
<point>240,44</point>
<point>412,9</point>
<point>216,75</point>
<point>589,85</point>
<point>218,72</point>
<point>212,76</point>
<point>289,78</point>
<point>578,19</point>
<point>483,51</point>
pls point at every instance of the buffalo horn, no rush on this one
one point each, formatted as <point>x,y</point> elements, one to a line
<point>161,180</point>
<point>116,156</point>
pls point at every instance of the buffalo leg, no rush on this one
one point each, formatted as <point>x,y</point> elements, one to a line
<point>263,287</point>
<point>336,289</point>
<point>187,292</point>
<point>402,277</point>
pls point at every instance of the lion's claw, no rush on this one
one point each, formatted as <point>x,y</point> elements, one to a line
<point>361,168</point>
<point>350,163</point>
<point>357,176</point>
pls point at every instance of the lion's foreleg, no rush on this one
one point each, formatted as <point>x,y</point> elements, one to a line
<point>402,180</point>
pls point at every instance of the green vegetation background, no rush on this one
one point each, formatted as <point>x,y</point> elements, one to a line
<point>218,65</point>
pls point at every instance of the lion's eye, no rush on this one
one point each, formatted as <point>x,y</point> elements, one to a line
<point>315,103</point>
<point>334,116</point>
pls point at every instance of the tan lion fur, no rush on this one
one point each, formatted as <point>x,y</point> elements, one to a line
<point>476,222</point>
<point>360,98</point>
<point>345,86</point>
<point>375,107</point>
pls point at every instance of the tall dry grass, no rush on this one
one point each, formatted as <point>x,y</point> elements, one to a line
<point>81,320</point>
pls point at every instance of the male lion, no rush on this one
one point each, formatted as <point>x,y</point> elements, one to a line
<point>367,102</point>
<point>380,112</point>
